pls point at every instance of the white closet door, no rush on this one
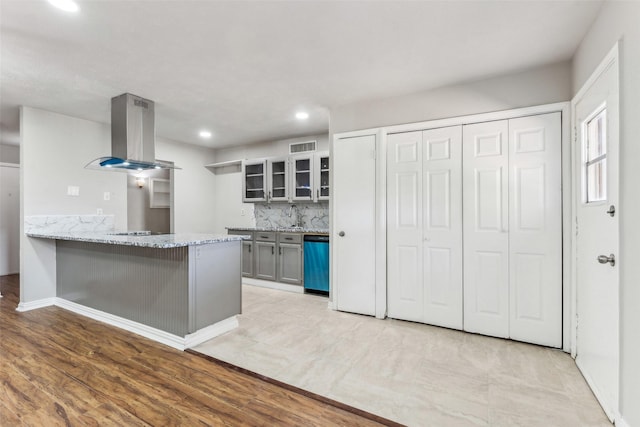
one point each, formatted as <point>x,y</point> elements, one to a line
<point>486,235</point>
<point>535,229</point>
<point>424,226</point>
<point>353,241</point>
<point>404,227</point>
<point>442,201</point>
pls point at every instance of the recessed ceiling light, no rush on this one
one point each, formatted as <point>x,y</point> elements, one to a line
<point>66,5</point>
<point>301,115</point>
<point>205,134</point>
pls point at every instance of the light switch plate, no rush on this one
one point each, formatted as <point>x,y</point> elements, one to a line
<point>99,211</point>
<point>107,195</point>
<point>73,190</point>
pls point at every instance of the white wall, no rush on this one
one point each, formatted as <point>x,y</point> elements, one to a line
<point>54,150</point>
<point>9,219</point>
<point>9,153</point>
<point>194,194</point>
<point>620,20</point>
<point>542,85</point>
<point>228,180</point>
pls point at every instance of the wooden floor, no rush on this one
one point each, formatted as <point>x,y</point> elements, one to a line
<point>59,368</point>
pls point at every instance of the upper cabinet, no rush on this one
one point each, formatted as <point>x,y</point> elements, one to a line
<point>302,167</point>
<point>254,183</point>
<point>299,178</point>
<point>322,176</point>
<point>278,188</point>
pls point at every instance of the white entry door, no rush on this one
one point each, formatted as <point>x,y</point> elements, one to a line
<point>597,239</point>
<point>424,226</point>
<point>353,241</point>
<point>486,228</point>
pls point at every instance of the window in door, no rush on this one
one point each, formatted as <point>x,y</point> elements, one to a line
<point>595,155</point>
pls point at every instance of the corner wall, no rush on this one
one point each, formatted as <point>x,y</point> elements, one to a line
<point>54,150</point>
<point>620,20</point>
<point>194,195</point>
<point>542,85</point>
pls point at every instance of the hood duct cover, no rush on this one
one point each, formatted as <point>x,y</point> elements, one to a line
<point>133,135</point>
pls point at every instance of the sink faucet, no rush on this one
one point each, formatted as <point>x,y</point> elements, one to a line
<point>298,222</point>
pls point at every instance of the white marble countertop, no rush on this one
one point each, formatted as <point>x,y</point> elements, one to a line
<point>163,241</point>
<point>283,229</point>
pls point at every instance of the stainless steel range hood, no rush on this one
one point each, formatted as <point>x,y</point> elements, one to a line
<point>133,135</point>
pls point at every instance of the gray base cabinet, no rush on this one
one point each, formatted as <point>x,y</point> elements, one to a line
<point>247,258</point>
<point>247,252</point>
<point>290,263</point>
<point>265,258</point>
<point>275,256</point>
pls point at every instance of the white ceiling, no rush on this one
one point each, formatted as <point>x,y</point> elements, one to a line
<point>242,69</point>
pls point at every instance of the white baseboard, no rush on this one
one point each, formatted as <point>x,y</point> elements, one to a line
<point>211,331</point>
<point>611,412</point>
<point>273,285</point>
<point>166,338</point>
<point>32,305</point>
<point>620,422</point>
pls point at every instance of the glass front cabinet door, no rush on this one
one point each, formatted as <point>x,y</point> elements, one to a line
<point>255,181</point>
<point>278,188</point>
<point>322,176</point>
<point>302,178</point>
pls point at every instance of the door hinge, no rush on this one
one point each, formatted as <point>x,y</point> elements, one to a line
<point>575,135</point>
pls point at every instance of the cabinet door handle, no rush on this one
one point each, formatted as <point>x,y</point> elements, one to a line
<point>249,248</point>
<point>318,194</point>
<point>288,238</point>
<point>272,250</point>
<point>280,251</point>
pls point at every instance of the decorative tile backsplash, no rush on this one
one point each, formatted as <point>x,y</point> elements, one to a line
<point>311,215</point>
<point>68,223</point>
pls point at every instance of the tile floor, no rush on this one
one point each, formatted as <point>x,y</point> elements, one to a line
<point>415,374</point>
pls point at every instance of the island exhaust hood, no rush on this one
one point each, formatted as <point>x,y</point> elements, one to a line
<point>133,136</point>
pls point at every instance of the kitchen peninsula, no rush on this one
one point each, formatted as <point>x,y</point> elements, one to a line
<point>178,289</point>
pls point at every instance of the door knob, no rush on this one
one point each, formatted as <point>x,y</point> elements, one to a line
<point>603,259</point>
<point>612,210</point>
<point>341,234</point>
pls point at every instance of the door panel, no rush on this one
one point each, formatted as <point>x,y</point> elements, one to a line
<point>442,225</point>
<point>535,229</point>
<point>486,238</point>
<point>265,260</point>
<point>354,196</point>
<point>404,226</point>
<point>290,263</point>
<point>597,285</point>
<point>424,230</point>
<point>247,259</point>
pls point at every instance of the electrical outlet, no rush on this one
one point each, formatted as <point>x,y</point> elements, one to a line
<point>107,195</point>
<point>99,211</point>
<point>242,212</point>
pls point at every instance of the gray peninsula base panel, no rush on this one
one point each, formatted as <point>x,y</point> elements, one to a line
<point>177,290</point>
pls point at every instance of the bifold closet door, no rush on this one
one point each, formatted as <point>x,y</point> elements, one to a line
<point>535,230</point>
<point>513,229</point>
<point>486,228</point>
<point>424,228</point>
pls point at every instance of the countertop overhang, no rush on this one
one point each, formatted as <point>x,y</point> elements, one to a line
<point>162,241</point>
